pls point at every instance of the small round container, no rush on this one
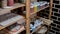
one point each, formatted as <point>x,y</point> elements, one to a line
<point>35,8</point>
<point>10,2</point>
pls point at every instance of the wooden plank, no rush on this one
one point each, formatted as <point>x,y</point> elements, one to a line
<point>19,31</point>
<point>38,28</point>
<point>27,16</point>
<point>45,21</point>
<point>39,10</point>
<point>7,10</point>
<point>2,27</point>
<point>50,13</point>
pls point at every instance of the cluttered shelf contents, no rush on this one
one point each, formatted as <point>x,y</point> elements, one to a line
<point>37,6</point>
<point>9,19</point>
<point>7,6</point>
<point>16,5</point>
<point>9,3</point>
<point>15,28</point>
<point>38,23</point>
<point>7,10</point>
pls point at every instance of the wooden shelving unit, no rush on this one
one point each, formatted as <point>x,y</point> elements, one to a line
<point>11,22</point>
<point>28,15</point>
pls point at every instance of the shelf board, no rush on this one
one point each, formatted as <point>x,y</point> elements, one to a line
<point>11,22</point>
<point>40,10</point>
<point>16,5</point>
<point>45,21</point>
<point>39,27</point>
<point>19,31</point>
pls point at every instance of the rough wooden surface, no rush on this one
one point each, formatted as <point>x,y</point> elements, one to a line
<point>19,31</point>
<point>11,21</point>
<point>27,16</point>
<point>51,5</point>
<point>7,10</point>
<point>46,21</point>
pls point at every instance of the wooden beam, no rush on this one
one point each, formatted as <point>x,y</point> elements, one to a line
<point>27,16</point>
<point>50,13</point>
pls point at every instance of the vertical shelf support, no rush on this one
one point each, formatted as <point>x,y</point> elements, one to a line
<point>27,16</point>
<point>50,13</point>
<point>51,4</point>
